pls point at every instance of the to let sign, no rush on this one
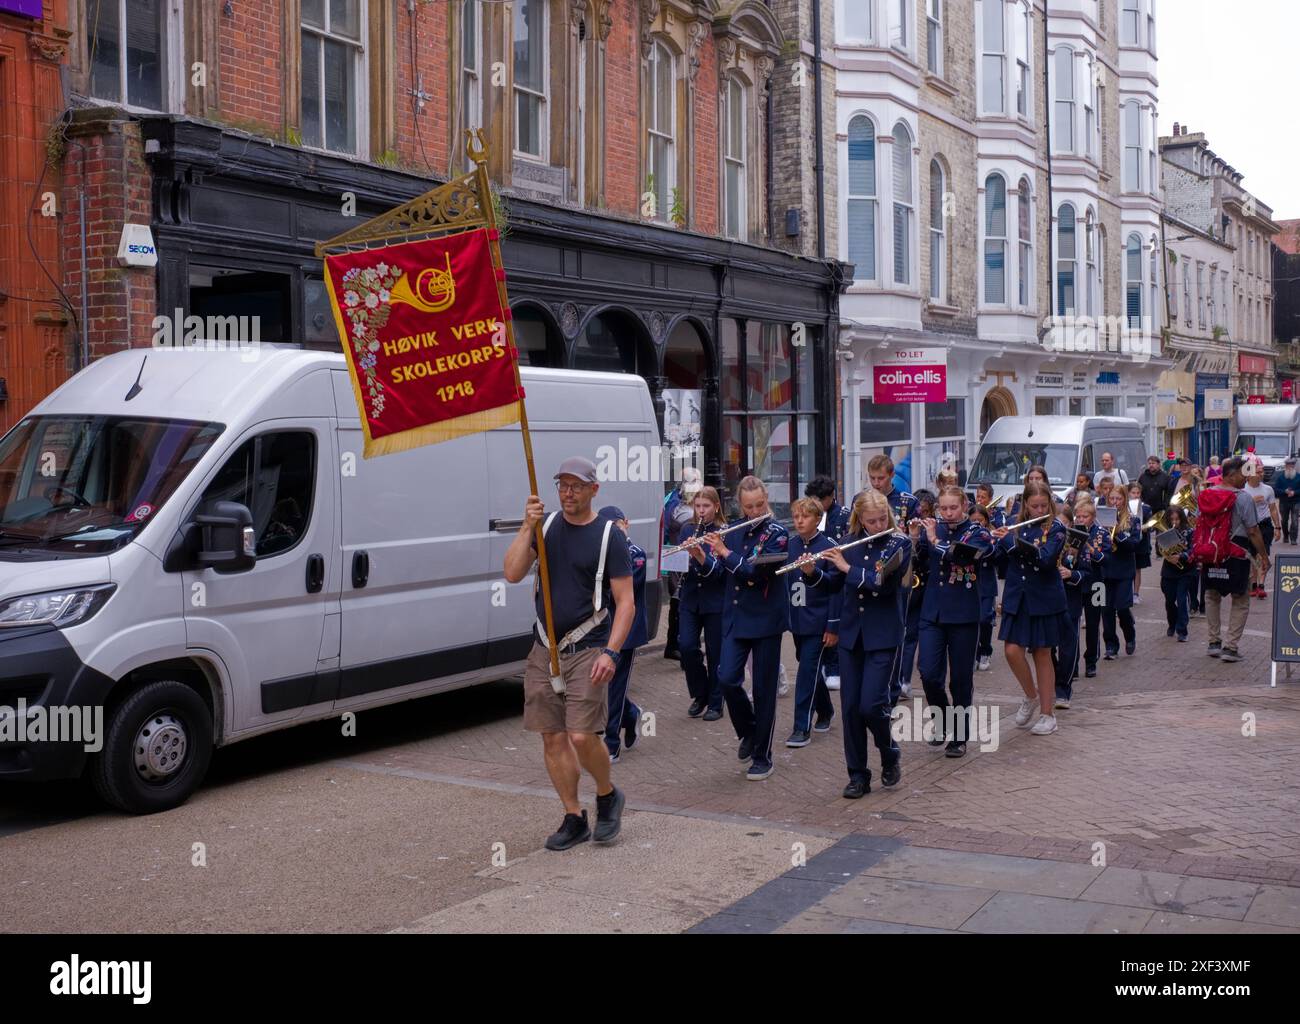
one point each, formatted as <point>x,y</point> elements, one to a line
<point>901,375</point>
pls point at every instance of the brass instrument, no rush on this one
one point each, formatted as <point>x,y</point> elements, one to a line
<point>695,542</point>
<point>1171,550</point>
<point>810,557</point>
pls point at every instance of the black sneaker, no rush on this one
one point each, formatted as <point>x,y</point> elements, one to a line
<point>697,708</point>
<point>573,831</point>
<point>630,734</point>
<point>672,654</point>
<point>1090,672</point>
<point>1169,631</point>
<point>938,740</point>
<point>857,789</point>
<point>746,751</point>
<point>613,757</point>
<point>609,815</point>
<point>799,738</point>
<point>824,724</point>
<point>712,715</point>
<point>1110,655</point>
<point>1229,654</point>
<point>955,749</point>
<point>1130,647</point>
<point>758,771</point>
<point>1182,638</point>
<point>1215,649</point>
<point>890,774</point>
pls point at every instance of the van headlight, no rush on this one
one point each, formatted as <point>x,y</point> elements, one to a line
<point>57,608</point>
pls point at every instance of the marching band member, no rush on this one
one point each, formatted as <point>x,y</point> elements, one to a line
<point>624,715</point>
<point>753,620</point>
<point>1142,554</point>
<point>984,499</point>
<point>835,524</point>
<point>903,507</point>
<point>1079,563</point>
<point>1117,570</point>
<point>912,611</point>
<point>1177,577</point>
<point>870,635</point>
<point>700,608</point>
<point>814,601</point>
<point>950,613</point>
<point>987,581</point>
<point>1098,546</point>
<point>1033,605</point>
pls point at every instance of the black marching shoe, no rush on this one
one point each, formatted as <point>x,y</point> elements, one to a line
<point>956,748</point>
<point>712,715</point>
<point>746,751</point>
<point>1090,672</point>
<point>1130,647</point>
<point>1110,655</point>
<point>938,740</point>
<point>697,708</point>
<point>890,774</point>
<point>1169,631</point>
<point>672,654</point>
<point>609,815</point>
<point>824,724</point>
<point>573,831</point>
<point>857,789</point>
<point>798,738</point>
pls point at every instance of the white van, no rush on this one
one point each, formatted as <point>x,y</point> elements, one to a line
<point>1064,445</point>
<point>192,540</point>
<point>1271,431</point>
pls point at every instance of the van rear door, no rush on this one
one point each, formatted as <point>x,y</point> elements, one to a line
<point>414,559</point>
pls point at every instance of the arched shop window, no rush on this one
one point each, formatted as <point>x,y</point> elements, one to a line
<point>611,342</point>
<point>769,416</point>
<point>537,338</point>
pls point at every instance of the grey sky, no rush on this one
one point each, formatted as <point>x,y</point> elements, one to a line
<point>1227,69</point>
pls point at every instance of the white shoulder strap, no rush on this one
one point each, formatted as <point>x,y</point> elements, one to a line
<point>547,525</point>
<point>600,567</point>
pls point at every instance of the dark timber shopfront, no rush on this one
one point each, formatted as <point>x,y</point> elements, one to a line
<point>751,329</point>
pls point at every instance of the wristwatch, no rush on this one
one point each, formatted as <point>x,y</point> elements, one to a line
<point>613,655</point>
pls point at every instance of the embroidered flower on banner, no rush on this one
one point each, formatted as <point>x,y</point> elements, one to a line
<point>366,307</point>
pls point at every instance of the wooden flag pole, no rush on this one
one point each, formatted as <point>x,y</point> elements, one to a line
<point>477,151</point>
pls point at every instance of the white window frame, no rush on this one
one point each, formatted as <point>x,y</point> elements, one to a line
<point>938,236</point>
<point>1064,262</point>
<point>362,70</point>
<point>867,8</point>
<point>934,36</point>
<point>1062,100</point>
<point>1130,23</point>
<point>659,51</point>
<point>1200,295</point>
<point>1024,84</point>
<point>173,59</point>
<point>1132,119</point>
<point>1187,293</point>
<point>992,241</point>
<point>1090,110</point>
<point>471,75</point>
<point>544,96</point>
<point>1090,263</point>
<point>1025,246</point>
<point>987,55</point>
<point>735,86</point>
<point>904,208</point>
<point>899,17</point>
<point>1153,172</point>
<point>1154,284</point>
<point>1130,281</point>
<point>871,199</point>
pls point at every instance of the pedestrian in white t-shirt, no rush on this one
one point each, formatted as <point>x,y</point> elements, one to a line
<point>1270,518</point>
<point>1109,472</point>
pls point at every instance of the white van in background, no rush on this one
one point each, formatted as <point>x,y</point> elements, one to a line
<point>1064,445</point>
<point>1271,431</point>
<point>192,540</point>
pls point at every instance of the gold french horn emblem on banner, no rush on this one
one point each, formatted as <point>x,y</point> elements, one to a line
<point>434,291</point>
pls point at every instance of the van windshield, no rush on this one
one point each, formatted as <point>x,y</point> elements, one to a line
<point>83,485</point>
<point>1272,445</point>
<point>1003,465</point>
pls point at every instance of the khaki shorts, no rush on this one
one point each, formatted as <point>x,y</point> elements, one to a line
<point>581,708</point>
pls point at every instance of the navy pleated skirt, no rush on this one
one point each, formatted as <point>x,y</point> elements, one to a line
<point>1033,631</point>
<point>1143,552</point>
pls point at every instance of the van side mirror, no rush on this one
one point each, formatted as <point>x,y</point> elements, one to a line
<point>227,541</point>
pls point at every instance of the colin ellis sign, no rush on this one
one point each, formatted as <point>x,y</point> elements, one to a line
<point>901,375</point>
<point>424,332</point>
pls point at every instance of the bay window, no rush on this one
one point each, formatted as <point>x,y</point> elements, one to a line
<point>995,240</point>
<point>1066,261</point>
<point>862,198</point>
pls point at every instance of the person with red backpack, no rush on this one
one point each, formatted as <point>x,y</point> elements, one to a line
<point>1226,531</point>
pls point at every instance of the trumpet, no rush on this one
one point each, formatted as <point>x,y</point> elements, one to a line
<point>695,542</point>
<point>812,556</point>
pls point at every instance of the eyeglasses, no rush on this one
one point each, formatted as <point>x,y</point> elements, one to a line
<point>564,488</point>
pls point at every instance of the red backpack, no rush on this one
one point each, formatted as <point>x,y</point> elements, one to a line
<point>1212,540</point>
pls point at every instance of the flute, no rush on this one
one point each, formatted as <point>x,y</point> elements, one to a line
<point>812,556</point>
<point>695,542</point>
<point>1028,522</point>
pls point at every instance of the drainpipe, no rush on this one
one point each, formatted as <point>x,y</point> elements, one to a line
<point>85,285</point>
<point>819,168</point>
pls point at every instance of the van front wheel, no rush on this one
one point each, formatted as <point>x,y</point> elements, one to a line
<point>156,749</point>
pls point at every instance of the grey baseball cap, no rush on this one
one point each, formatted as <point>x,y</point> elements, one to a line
<point>576,465</point>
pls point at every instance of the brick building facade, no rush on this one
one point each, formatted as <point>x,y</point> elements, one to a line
<point>646,153</point>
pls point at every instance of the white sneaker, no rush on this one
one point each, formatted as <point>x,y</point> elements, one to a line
<point>906,691</point>
<point>983,665</point>
<point>1137,598</point>
<point>1062,703</point>
<point>832,682</point>
<point>782,687</point>
<point>1045,726</point>
<point>1026,712</point>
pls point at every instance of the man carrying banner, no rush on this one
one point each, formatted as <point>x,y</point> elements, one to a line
<point>589,565</point>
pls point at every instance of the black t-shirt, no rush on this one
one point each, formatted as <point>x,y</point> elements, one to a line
<point>572,554</point>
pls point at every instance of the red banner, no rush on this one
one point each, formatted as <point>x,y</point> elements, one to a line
<point>424,331</point>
